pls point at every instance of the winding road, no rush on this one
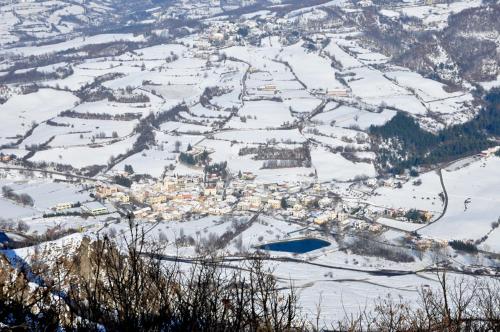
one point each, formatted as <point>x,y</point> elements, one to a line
<point>445,198</point>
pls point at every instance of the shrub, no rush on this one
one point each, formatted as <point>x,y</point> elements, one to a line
<point>463,246</point>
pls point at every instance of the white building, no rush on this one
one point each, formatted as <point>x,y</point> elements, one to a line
<point>94,208</point>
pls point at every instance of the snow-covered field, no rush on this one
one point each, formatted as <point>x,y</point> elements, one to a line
<point>346,116</point>
<point>98,154</point>
<point>261,115</point>
<point>473,202</point>
<point>331,166</point>
<point>424,196</point>
<point>20,112</point>
<point>261,136</point>
<point>437,15</point>
<point>315,71</point>
<point>74,43</point>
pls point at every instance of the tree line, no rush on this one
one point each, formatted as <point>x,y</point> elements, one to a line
<point>23,199</point>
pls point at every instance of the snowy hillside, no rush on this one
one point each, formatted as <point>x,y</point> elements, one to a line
<point>229,127</point>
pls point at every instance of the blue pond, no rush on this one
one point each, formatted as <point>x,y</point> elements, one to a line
<point>296,246</point>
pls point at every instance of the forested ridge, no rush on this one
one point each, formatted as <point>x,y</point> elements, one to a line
<point>403,144</point>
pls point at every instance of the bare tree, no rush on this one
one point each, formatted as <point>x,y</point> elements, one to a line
<point>177,146</point>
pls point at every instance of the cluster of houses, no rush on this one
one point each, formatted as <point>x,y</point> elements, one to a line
<point>183,197</point>
<point>254,29</point>
<point>401,214</point>
<point>291,201</point>
<point>189,196</point>
<point>176,198</point>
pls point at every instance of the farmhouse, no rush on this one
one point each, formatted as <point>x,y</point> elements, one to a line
<point>490,151</point>
<point>268,88</point>
<point>337,92</point>
<point>427,216</point>
<point>62,206</point>
<point>5,158</point>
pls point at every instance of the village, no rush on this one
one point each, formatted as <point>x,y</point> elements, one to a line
<point>218,193</point>
<point>212,190</point>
